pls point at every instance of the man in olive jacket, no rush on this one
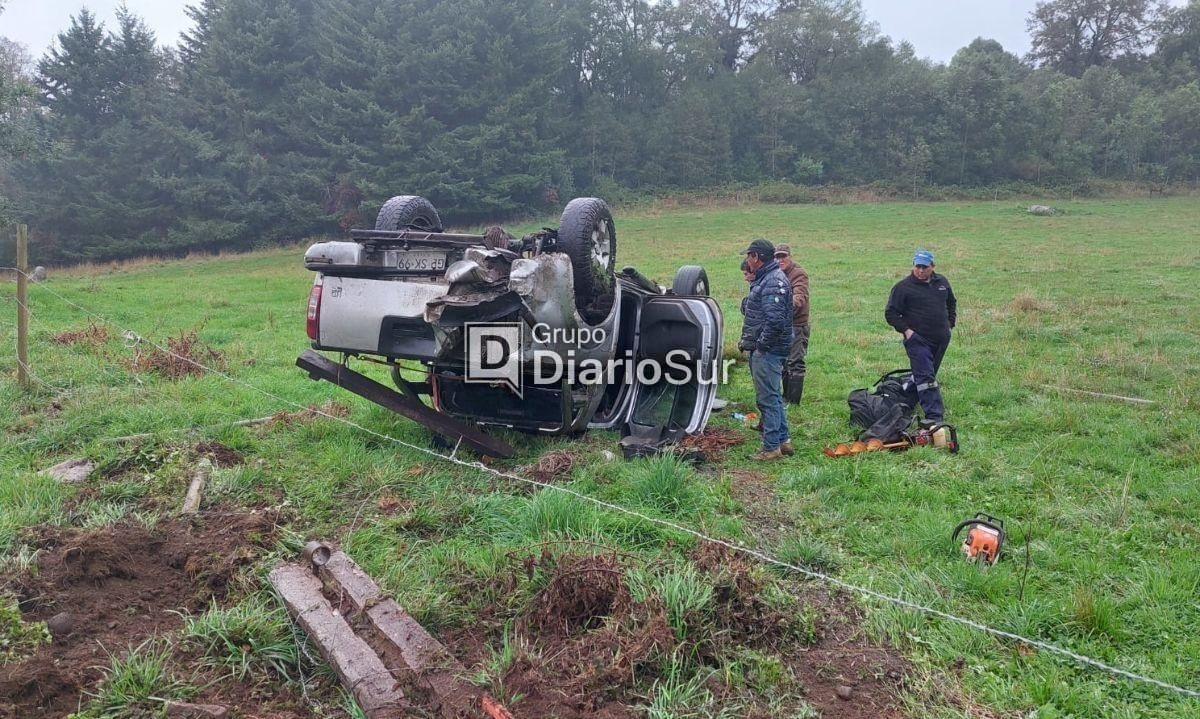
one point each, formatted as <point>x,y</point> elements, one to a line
<point>767,336</point>
<point>922,307</point>
<point>794,368</point>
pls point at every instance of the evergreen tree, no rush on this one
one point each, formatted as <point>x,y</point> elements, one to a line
<point>95,185</point>
<point>281,119</point>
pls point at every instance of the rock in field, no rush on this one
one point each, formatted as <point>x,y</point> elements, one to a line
<point>71,471</point>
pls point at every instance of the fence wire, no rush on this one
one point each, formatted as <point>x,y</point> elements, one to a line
<point>737,547</point>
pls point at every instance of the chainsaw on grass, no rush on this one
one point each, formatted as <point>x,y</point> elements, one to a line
<point>984,540</point>
<point>939,436</point>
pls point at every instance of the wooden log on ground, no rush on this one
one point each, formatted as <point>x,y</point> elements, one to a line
<point>1100,395</point>
<point>187,710</point>
<point>428,659</point>
<point>361,670</point>
<point>191,503</point>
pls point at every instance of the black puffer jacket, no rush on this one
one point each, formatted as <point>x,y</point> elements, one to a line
<point>768,311</point>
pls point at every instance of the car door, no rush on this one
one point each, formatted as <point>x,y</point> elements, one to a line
<point>681,336</point>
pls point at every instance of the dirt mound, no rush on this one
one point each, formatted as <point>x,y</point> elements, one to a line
<point>592,640</point>
<point>741,612</point>
<point>117,585</point>
<point>581,594</point>
<point>843,657</point>
<point>220,455</point>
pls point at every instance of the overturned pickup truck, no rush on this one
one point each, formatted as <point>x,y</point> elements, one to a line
<point>537,333</point>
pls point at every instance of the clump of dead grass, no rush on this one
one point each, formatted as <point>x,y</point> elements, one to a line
<point>1027,303</point>
<point>593,633</point>
<point>581,593</point>
<point>184,356</point>
<point>553,465</point>
<point>328,409</point>
<point>93,335</point>
<point>713,442</point>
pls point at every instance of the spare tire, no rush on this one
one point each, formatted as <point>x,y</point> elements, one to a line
<point>587,235</point>
<point>690,280</point>
<point>408,211</point>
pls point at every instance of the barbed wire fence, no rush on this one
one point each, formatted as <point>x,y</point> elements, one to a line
<point>113,374</point>
<point>734,546</point>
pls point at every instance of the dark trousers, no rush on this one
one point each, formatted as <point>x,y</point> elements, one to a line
<point>925,358</point>
<point>795,367</point>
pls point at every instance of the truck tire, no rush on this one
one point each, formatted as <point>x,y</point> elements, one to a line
<point>587,235</point>
<point>690,280</point>
<point>405,211</point>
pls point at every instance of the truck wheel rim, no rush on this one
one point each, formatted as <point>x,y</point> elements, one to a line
<point>601,246</point>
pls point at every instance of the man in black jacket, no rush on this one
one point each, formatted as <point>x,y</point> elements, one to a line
<point>767,336</point>
<point>922,307</point>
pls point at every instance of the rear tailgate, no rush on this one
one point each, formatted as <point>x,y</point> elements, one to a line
<point>378,316</point>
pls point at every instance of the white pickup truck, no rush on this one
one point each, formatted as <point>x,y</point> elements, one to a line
<point>409,291</point>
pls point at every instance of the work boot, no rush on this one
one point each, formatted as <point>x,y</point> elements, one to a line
<point>787,449</point>
<point>767,455</point>
<point>793,388</point>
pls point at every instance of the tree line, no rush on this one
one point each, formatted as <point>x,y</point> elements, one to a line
<point>272,120</point>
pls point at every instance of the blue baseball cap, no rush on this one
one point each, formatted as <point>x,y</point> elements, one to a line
<point>923,257</point>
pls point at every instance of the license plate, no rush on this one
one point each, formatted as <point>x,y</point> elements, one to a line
<point>419,261</point>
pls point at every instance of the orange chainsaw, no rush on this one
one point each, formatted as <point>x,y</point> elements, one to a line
<point>939,436</point>
<point>984,540</point>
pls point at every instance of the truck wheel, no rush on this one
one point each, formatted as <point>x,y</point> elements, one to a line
<point>690,280</point>
<point>405,211</point>
<point>587,235</point>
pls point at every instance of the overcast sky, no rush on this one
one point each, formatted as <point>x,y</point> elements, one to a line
<point>936,28</point>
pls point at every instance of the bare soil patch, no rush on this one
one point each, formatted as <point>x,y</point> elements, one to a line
<point>118,585</point>
<point>219,454</point>
<point>843,656</point>
<point>585,647</point>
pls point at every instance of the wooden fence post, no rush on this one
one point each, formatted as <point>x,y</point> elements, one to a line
<point>22,314</point>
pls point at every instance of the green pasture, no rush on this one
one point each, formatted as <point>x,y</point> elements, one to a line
<point>1101,497</point>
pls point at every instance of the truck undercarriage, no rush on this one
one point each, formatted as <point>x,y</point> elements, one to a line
<point>409,292</point>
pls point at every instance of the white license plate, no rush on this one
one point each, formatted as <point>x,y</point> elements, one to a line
<point>420,261</point>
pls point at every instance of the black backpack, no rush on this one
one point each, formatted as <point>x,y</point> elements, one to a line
<point>887,410</point>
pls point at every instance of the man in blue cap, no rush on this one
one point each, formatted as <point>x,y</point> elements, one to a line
<point>922,307</point>
<point>767,336</point>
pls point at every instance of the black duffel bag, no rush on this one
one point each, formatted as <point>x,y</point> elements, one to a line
<point>887,410</point>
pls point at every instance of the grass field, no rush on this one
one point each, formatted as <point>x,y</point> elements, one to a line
<point>1101,497</point>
